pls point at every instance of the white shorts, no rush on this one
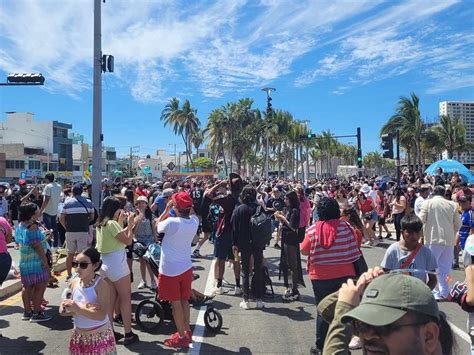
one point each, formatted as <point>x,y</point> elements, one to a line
<point>76,242</point>
<point>114,265</point>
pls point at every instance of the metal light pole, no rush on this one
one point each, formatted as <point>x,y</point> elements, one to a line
<point>267,128</point>
<point>97,107</point>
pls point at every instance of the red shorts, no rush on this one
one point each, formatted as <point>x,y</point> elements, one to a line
<point>175,288</point>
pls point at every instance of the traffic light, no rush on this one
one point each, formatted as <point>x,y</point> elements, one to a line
<point>308,136</point>
<point>387,146</point>
<point>107,63</point>
<point>359,158</point>
<point>25,79</point>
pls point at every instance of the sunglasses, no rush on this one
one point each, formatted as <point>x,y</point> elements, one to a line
<point>382,331</point>
<point>82,265</point>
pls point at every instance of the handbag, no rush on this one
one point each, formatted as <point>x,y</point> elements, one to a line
<point>360,265</point>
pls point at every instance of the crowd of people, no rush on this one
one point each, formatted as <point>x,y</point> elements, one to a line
<point>328,221</point>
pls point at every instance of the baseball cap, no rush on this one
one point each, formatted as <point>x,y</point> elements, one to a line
<point>182,200</point>
<point>22,182</point>
<point>167,192</point>
<point>142,198</point>
<point>389,297</point>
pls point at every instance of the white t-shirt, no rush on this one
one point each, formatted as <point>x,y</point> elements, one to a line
<point>176,245</point>
<point>53,190</point>
<point>418,202</point>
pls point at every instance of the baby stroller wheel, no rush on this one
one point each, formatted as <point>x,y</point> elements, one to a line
<point>213,319</point>
<point>149,315</point>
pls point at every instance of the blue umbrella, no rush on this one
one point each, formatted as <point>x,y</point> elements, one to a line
<point>450,166</point>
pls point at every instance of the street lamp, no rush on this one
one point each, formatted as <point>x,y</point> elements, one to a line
<point>22,79</point>
<point>268,119</point>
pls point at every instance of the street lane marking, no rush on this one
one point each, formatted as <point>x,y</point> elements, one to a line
<point>16,298</point>
<point>460,333</point>
<point>199,327</point>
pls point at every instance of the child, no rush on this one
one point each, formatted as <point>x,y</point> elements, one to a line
<point>88,302</point>
<point>408,253</point>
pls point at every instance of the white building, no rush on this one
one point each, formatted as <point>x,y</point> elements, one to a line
<point>465,111</point>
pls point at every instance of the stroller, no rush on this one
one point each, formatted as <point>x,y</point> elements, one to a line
<point>150,314</point>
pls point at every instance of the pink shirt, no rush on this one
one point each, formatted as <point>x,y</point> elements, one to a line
<point>305,212</point>
<point>4,230</point>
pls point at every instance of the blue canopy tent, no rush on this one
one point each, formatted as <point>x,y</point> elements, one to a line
<point>450,166</point>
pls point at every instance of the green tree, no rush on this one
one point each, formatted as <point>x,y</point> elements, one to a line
<point>451,133</point>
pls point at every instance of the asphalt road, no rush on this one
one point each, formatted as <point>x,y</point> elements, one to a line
<point>285,328</point>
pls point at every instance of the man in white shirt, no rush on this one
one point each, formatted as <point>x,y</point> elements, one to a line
<point>441,223</point>
<point>175,271</point>
<point>423,195</point>
<point>49,209</point>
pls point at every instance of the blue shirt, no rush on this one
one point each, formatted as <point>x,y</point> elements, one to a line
<point>466,225</point>
<point>160,201</point>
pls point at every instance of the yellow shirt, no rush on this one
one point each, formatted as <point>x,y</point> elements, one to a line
<point>107,241</point>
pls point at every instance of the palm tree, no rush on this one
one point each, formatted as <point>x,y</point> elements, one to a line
<point>451,133</point>
<point>197,139</point>
<point>216,131</point>
<point>407,120</point>
<point>184,121</point>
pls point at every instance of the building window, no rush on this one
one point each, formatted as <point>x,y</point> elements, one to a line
<point>59,132</point>
<point>34,164</point>
<point>77,168</point>
<point>62,151</point>
<point>15,164</point>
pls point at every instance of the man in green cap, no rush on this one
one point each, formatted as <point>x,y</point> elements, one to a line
<point>391,313</point>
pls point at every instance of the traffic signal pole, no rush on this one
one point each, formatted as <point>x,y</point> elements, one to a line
<point>97,108</point>
<point>398,157</point>
<point>359,153</point>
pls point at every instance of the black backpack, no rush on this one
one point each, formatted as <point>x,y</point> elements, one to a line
<point>260,228</point>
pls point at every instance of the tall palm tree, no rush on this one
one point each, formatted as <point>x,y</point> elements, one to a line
<point>184,121</point>
<point>408,120</point>
<point>452,133</point>
<point>216,131</point>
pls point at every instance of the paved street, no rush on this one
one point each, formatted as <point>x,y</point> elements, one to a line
<point>279,328</point>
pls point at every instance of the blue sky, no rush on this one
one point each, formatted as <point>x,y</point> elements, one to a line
<point>339,64</point>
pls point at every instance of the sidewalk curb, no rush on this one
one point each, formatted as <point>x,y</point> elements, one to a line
<point>16,286</point>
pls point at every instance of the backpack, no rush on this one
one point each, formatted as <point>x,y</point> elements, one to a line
<point>266,281</point>
<point>260,228</point>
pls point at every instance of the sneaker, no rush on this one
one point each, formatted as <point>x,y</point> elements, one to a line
<point>295,296</point>
<point>315,350</point>
<point>130,338</point>
<point>375,242</point>
<point>27,315</point>
<point>388,236</point>
<point>153,285</point>
<point>366,244</point>
<point>118,319</point>
<point>259,304</point>
<point>196,253</point>
<point>288,292</point>
<point>176,342</point>
<point>68,278</point>
<point>189,335</point>
<point>141,285</point>
<point>39,317</point>
<point>218,290</point>
<point>355,343</point>
<point>238,291</point>
<point>245,304</point>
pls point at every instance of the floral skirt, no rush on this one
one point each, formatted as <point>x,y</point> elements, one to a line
<point>99,341</point>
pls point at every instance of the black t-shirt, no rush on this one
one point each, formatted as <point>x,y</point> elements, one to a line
<point>197,197</point>
<point>227,205</point>
<point>288,235</point>
<point>240,222</point>
<point>277,203</point>
<point>13,205</point>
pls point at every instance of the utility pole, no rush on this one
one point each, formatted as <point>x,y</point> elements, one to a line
<point>359,153</point>
<point>97,108</point>
<point>398,157</point>
<point>268,117</point>
<point>133,149</point>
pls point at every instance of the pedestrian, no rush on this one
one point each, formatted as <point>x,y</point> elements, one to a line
<point>5,258</point>
<point>145,233</point>
<point>275,203</point>
<point>3,202</point>
<point>441,223</point>
<point>175,269</point>
<point>88,303</point>
<point>49,208</point>
<point>112,238</point>
<point>331,247</point>
<point>410,254</point>
<point>381,207</point>
<point>290,262</point>
<point>368,215</point>
<point>33,264</point>
<point>249,246</point>
<point>399,205</point>
<point>161,201</point>
<point>467,226</point>
<point>391,314</point>
<point>223,243</point>
<point>76,214</point>
<point>422,197</point>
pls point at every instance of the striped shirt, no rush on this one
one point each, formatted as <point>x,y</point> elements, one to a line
<point>77,210</point>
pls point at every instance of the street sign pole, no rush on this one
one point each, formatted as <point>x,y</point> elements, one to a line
<point>97,108</point>
<point>398,157</point>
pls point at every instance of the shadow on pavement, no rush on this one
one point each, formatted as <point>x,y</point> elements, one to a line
<point>208,349</point>
<point>298,314</point>
<point>9,310</point>
<point>16,346</point>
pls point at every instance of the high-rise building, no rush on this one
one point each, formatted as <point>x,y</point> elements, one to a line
<point>465,111</point>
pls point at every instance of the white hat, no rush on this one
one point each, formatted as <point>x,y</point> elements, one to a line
<point>142,198</point>
<point>365,189</point>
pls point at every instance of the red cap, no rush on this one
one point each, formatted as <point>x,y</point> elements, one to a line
<point>21,182</point>
<point>182,200</point>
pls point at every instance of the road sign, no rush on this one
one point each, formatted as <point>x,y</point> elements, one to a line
<point>171,165</point>
<point>23,175</point>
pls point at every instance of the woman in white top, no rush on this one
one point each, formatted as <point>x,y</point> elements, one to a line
<point>87,301</point>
